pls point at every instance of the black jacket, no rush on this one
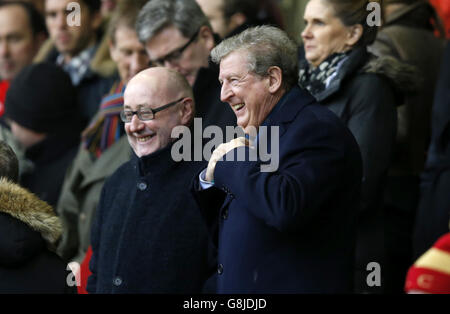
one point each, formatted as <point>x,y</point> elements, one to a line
<point>148,235</point>
<point>28,227</point>
<point>363,97</point>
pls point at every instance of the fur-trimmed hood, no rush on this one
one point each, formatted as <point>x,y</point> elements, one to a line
<point>29,209</point>
<point>405,77</point>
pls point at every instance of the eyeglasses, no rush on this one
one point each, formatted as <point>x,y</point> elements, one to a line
<point>145,114</point>
<point>176,54</point>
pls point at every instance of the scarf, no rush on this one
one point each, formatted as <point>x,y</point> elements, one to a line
<point>316,80</point>
<point>107,128</point>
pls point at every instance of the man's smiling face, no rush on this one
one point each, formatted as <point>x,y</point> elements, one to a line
<point>146,137</point>
<point>247,93</point>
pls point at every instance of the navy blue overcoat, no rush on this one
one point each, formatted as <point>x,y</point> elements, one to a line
<point>291,230</point>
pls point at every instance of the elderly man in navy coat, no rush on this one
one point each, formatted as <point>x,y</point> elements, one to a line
<point>288,227</point>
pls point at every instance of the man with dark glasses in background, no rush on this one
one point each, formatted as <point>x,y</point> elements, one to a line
<point>178,35</point>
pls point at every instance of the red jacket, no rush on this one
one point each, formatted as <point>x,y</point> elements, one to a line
<point>4,85</point>
<point>85,272</point>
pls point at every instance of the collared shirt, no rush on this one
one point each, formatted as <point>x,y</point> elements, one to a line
<point>204,185</point>
<point>78,66</point>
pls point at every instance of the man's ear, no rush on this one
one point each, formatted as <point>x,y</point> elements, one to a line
<point>206,34</point>
<point>187,111</point>
<point>275,76</point>
<point>354,34</point>
<point>112,50</point>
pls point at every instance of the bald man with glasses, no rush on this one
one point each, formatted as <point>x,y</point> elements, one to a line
<point>177,34</point>
<point>148,235</point>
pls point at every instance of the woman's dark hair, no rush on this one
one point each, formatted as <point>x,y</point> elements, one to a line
<point>352,12</point>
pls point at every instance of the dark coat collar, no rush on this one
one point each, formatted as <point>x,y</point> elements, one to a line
<point>156,163</point>
<point>289,106</point>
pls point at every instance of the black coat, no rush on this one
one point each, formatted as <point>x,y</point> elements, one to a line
<point>27,227</point>
<point>148,235</point>
<point>433,215</point>
<point>51,157</point>
<point>366,102</point>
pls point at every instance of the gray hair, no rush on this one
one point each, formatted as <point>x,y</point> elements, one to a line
<point>266,46</point>
<point>185,15</point>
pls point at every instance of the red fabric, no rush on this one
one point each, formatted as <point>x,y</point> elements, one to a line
<point>430,280</point>
<point>427,280</point>
<point>85,272</point>
<point>4,85</point>
<point>443,9</point>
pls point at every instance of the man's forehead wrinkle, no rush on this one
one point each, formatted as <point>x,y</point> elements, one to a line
<point>226,72</point>
<point>237,74</point>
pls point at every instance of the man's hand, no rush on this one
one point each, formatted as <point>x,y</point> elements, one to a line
<point>219,152</point>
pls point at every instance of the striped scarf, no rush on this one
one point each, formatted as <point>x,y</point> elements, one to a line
<point>107,128</point>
